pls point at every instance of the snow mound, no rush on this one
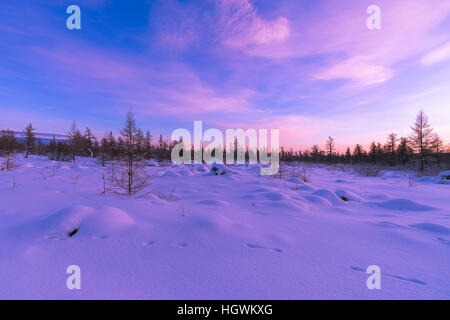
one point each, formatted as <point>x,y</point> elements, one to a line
<point>321,201</point>
<point>295,180</point>
<point>220,170</point>
<point>67,219</point>
<point>274,196</point>
<point>211,222</point>
<point>441,179</point>
<point>85,220</point>
<point>445,175</point>
<point>403,204</point>
<point>330,196</point>
<point>394,175</point>
<point>202,167</point>
<point>170,174</point>
<point>431,227</point>
<point>151,197</point>
<point>152,163</point>
<point>306,188</point>
<point>348,195</point>
<point>107,220</point>
<point>185,172</point>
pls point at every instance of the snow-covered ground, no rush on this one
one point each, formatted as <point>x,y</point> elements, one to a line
<point>232,236</point>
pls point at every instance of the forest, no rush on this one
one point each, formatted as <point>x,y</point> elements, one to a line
<point>423,149</point>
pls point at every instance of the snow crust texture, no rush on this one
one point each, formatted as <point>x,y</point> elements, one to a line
<point>227,233</point>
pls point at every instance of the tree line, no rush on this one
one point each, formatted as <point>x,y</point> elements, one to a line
<point>86,144</point>
<point>419,146</point>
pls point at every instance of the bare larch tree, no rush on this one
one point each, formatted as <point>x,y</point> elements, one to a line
<point>129,176</point>
<point>421,137</point>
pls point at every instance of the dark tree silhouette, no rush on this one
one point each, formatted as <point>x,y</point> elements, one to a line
<point>329,146</point>
<point>29,139</point>
<point>130,177</point>
<point>421,137</point>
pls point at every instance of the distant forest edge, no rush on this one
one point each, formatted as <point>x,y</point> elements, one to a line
<point>44,138</point>
<point>422,149</point>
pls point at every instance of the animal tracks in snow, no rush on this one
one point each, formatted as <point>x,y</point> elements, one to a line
<point>383,274</point>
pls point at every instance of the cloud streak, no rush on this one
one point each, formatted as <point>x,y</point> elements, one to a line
<point>438,55</point>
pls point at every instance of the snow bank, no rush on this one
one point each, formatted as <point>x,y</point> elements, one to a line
<point>220,170</point>
<point>403,204</point>
<point>350,196</point>
<point>445,175</point>
<point>193,235</point>
<point>330,196</point>
<point>84,220</point>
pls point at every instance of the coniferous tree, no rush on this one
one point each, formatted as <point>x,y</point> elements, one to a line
<point>161,148</point>
<point>421,137</point>
<point>112,145</point>
<point>40,146</point>
<point>358,153</point>
<point>403,150</point>
<point>148,144</point>
<point>390,147</point>
<point>330,148</point>
<point>391,144</point>
<point>437,145</point>
<point>373,152</point>
<point>75,139</point>
<point>130,178</point>
<point>29,139</point>
<point>8,144</point>
<point>315,153</point>
<point>105,150</point>
<point>348,154</point>
<point>90,140</point>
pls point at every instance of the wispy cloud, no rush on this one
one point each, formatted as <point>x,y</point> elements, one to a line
<point>418,95</point>
<point>359,70</point>
<point>243,26</point>
<point>437,55</point>
<point>356,53</point>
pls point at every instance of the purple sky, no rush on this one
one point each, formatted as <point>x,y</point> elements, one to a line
<point>310,68</point>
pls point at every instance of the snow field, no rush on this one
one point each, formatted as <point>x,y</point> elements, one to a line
<point>196,235</point>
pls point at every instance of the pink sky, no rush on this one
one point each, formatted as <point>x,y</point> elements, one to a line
<point>310,68</point>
